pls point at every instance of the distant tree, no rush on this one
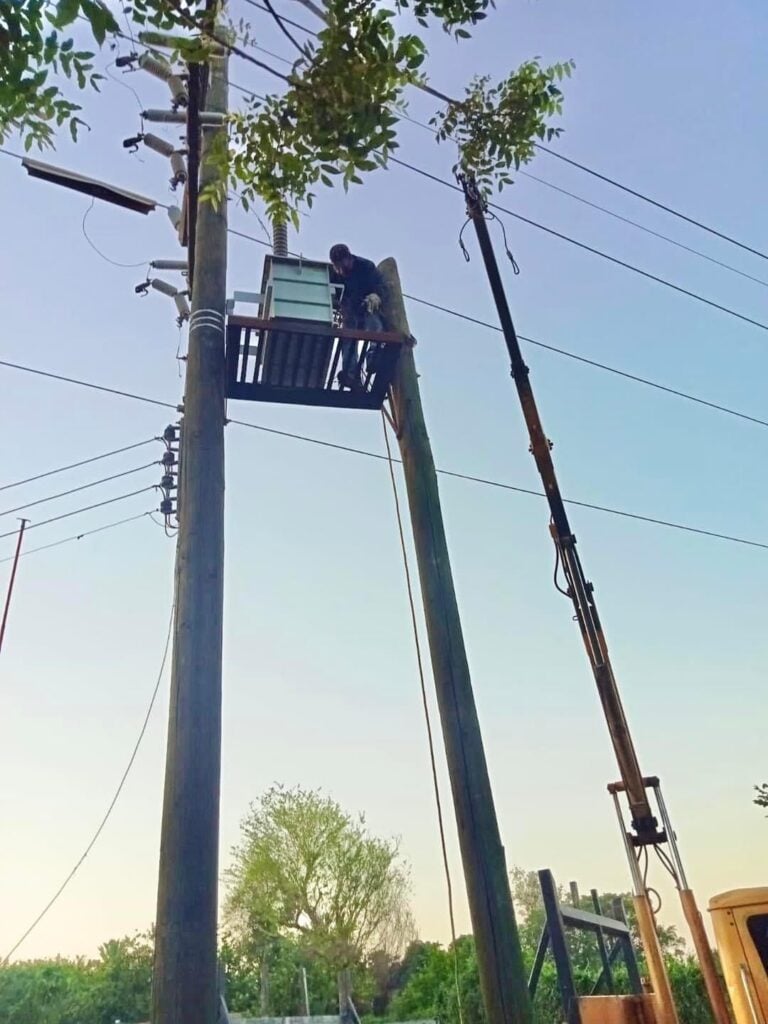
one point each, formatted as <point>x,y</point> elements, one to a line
<point>116,986</point>
<point>308,870</point>
<point>121,980</point>
<point>762,795</point>
<point>689,991</point>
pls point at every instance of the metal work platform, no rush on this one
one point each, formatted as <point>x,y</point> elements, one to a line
<point>300,361</point>
<point>293,352</point>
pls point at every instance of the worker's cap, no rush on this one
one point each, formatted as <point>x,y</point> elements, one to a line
<point>339,253</point>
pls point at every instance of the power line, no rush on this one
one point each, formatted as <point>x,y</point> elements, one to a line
<point>281,25</point>
<point>512,487</point>
<point>373,455</point>
<point>82,487</point>
<point>582,167</point>
<point>612,213</point>
<point>80,536</point>
<point>589,248</point>
<point>82,462</point>
<point>647,230</point>
<point>112,802</point>
<point>653,202</point>
<point>77,511</point>
<point>593,362</point>
<point>288,21</point>
<point>87,384</point>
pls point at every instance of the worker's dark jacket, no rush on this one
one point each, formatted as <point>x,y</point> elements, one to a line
<point>363,280</point>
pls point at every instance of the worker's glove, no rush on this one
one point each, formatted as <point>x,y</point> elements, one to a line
<point>372,302</point>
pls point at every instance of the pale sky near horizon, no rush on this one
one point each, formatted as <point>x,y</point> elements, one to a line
<point>320,677</point>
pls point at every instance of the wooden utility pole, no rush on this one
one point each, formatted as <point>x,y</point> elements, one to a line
<point>502,973</point>
<point>184,989</point>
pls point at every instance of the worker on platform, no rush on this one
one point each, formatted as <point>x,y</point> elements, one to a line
<point>360,306</point>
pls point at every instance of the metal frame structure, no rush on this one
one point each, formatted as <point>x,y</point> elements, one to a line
<point>559,916</point>
<point>298,362</point>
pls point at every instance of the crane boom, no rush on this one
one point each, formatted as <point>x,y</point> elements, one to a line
<point>580,590</point>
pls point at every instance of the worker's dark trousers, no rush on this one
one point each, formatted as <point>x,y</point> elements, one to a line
<point>365,322</point>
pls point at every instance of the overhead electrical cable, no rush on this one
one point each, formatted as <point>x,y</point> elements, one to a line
<point>81,487</point>
<point>77,465</point>
<point>77,511</point>
<point>589,248</point>
<point>80,536</point>
<point>113,801</point>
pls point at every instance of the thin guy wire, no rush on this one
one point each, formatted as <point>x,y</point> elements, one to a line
<point>588,248</point>
<point>79,536</point>
<point>113,801</point>
<point>374,455</point>
<point>82,487</point>
<point>76,465</point>
<point>77,511</point>
<point>427,716</point>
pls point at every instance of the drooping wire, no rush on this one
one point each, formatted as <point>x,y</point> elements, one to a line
<point>108,259</point>
<point>125,85</point>
<point>666,861</point>
<point>565,593</point>
<point>515,268</point>
<point>427,716</point>
<point>112,802</point>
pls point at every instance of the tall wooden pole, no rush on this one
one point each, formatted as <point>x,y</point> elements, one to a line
<point>502,973</point>
<point>184,987</point>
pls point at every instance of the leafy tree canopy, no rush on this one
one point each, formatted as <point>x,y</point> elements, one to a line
<point>336,113</point>
<point>308,869</point>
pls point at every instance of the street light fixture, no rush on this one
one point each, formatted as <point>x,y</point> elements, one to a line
<point>89,186</point>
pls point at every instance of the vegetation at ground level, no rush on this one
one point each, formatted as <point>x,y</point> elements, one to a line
<point>426,980</point>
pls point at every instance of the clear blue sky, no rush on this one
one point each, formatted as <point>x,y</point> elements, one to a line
<point>320,677</point>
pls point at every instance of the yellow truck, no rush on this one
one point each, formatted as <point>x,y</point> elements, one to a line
<point>740,920</point>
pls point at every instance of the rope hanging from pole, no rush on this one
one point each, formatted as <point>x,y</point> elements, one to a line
<point>385,416</point>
